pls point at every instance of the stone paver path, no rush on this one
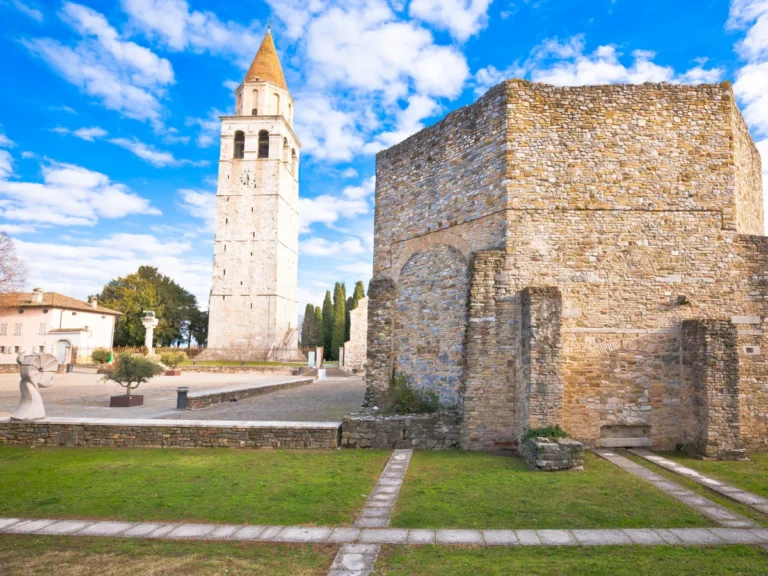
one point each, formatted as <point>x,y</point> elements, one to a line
<point>324,400</point>
<point>748,498</point>
<point>362,541</point>
<point>359,559</point>
<point>719,514</point>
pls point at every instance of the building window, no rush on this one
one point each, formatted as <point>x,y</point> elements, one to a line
<point>254,112</point>
<point>2,349</point>
<point>41,349</point>
<point>16,350</point>
<point>239,145</point>
<point>3,329</point>
<point>277,104</point>
<point>255,101</point>
<point>263,144</point>
<point>17,330</point>
<point>74,313</point>
<point>45,311</point>
<point>42,329</point>
<point>294,162</point>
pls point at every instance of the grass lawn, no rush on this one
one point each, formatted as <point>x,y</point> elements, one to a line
<point>587,561</point>
<point>206,485</point>
<point>475,490</point>
<point>751,475</point>
<point>742,509</point>
<point>62,556</point>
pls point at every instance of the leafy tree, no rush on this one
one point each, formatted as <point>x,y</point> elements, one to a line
<point>197,328</point>
<point>130,371</point>
<point>327,324</point>
<point>178,306</point>
<point>339,319</point>
<point>101,355</point>
<point>173,359</point>
<point>131,295</point>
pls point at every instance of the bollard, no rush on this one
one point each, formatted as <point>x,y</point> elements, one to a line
<point>181,397</point>
<point>69,368</point>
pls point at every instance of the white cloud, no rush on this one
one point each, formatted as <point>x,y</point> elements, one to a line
<point>33,13</point>
<point>6,165</point>
<point>152,155</point>
<point>89,134</point>
<point>69,196</point>
<point>327,209</point>
<point>359,192</point>
<point>179,28</point>
<point>80,268</point>
<point>349,173</point>
<point>751,86</point>
<point>567,64</point>
<point>326,132</point>
<point>27,155</point>
<point>231,85</point>
<point>462,18</point>
<point>6,142</point>
<point>210,128</point>
<point>124,76</point>
<point>316,246</point>
<point>490,76</point>
<point>408,122</point>
<point>362,268</point>
<point>200,205</point>
<point>14,229</point>
<point>752,16</point>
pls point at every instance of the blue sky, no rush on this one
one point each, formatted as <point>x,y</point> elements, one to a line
<point>108,109</point>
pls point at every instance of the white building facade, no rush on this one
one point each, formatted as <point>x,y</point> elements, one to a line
<point>255,262</point>
<point>51,323</point>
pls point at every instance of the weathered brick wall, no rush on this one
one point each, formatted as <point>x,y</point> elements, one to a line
<point>356,348</point>
<point>438,431</point>
<point>631,200</point>
<point>710,395</point>
<point>167,434</point>
<point>230,369</point>
<point>541,356</point>
<point>430,320</point>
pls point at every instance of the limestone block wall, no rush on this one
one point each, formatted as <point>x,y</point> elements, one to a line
<point>378,367</point>
<point>632,201</point>
<point>438,431</point>
<point>356,349</point>
<point>710,395</point>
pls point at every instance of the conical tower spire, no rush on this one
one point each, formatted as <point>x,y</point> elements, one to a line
<point>266,65</point>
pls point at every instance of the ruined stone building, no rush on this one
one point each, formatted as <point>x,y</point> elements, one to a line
<point>255,268</point>
<point>591,257</point>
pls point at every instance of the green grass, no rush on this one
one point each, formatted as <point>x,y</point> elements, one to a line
<point>207,485</point>
<point>238,363</point>
<point>62,556</point>
<point>586,561</point>
<point>474,490</point>
<point>751,475</point>
<point>737,507</point>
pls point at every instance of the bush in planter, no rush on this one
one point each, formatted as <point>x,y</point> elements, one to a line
<point>173,359</point>
<point>403,398</point>
<point>101,355</point>
<point>551,432</point>
<point>131,371</point>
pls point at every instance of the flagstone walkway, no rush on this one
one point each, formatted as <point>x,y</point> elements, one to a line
<point>747,498</point>
<point>719,514</point>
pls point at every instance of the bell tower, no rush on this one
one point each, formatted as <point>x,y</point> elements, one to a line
<point>255,250</point>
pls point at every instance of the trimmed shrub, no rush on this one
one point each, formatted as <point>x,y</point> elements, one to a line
<point>403,398</point>
<point>101,355</point>
<point>130,371</point>
<point>173,359</point>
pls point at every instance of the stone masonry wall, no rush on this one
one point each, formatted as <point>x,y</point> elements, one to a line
<point>168,434</point>
<point>541,356</point>
<point>710,371</point>
<point>632,200</point>
<point>356,348</point>
<point>439,431</point>
<point>378,368</point>
<point>202,399</point>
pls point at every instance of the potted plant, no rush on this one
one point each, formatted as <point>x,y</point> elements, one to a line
<point>172,361</point>
<point>101,356</point>
<point>130,372</point>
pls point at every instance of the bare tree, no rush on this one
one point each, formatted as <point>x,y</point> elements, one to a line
<point>13,272</point>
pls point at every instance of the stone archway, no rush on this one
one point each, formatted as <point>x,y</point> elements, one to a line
<point>430,314</point>
<point>63,351</point>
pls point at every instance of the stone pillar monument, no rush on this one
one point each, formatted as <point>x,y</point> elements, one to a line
<point>150,323</point>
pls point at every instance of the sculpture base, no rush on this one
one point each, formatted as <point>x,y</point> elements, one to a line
<point>173,372</point>
<point>125,401</point>
<point>27,419</point>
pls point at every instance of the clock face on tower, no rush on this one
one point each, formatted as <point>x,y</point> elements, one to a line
<point>246,178</point>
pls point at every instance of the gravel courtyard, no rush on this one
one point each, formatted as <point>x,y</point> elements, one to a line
<point>327,400</point>
<point>84,393</point>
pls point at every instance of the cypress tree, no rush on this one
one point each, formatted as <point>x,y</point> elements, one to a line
<point>317,327</point>
<point>339,319</point>
<point>306,326</point>
<point>327,324</point>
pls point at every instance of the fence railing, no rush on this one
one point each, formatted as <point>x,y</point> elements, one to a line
<point>80,355</point>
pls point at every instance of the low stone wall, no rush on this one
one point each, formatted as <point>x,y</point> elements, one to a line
<point>439,431</point>
<point>549,455</point>
<point>197,400</point>
<point>14,368</point>
<point>225,369</point>
<point>170,433</point>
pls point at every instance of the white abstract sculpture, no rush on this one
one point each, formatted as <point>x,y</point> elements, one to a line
<point>36,370</point>
<point>150,323</point>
